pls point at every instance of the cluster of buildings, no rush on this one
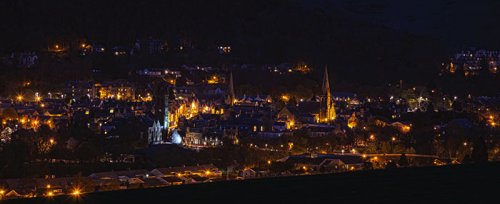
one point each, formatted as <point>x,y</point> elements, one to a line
<point>170,176</point>
<point>107,181</point>
<point>197,115</point>
<point>472,62</point>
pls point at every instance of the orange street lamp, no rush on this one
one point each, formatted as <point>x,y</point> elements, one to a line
<point>76,192</point>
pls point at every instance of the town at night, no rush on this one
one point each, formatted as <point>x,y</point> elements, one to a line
<point>365,101</point>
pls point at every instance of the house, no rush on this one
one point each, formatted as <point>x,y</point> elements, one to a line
<point>197,179</point>
<point>327,162</point>
<point>173,180</point>
<point>106,181</point>
<point>248,173</point>
<point>152,182</point>
<point>51,186</point>
<point>24,187</point>
<point>318,130</point>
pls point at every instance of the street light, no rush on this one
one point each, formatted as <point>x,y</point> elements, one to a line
<point>76,192</point>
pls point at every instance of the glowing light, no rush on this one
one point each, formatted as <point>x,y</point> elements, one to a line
<point>406,129</point>
<point>269,162</point>
<point>76,192</point>
<point>290,124</point>
<point>50,194</point>
<point>52,141</point>
<point>372,137</point>
<point>48,185</point>
<point>393,138</point>
<point>19,97</point>
<point>176,138</point>
<point>285,98</point>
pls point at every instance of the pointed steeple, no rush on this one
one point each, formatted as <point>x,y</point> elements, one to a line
<point>231,96</point>
<point>326,83</point>
<point>327,113</point>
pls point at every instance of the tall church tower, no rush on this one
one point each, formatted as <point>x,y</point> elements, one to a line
<point>327,111</point>
<point>230,91</point>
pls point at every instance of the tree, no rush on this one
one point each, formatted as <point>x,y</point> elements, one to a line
<point>403,160</point>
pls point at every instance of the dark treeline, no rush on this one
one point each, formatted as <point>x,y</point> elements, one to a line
<point>258,31</point>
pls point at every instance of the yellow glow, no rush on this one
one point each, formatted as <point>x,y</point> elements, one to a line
<point>83,45</point>
<point>50,194</point>
<point>406,129</point>
<point>22,121</point>
<point>52,141</point>
<point>364,156</point>
<point>38,98</point>
<point>285,98</point>
<point>352,124</point>
<point>290,124</point>
<point>213,80</point>
<point>2,192</point>
<point>76,192</point>
<point>269,162</point>
<point>393,138</point>
<point>48,185</point>
<point>19,97</point>
<point>207,172</point>
<point>372,137</point>
<point>42,105</point>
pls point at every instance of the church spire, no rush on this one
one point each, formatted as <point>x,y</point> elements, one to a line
<point>231,95</point>
<point>326,83</point>
<point>328,107</point>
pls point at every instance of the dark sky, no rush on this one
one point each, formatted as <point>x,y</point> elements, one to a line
<point>460,23</point>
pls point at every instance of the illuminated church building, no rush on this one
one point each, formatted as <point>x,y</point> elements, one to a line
<point>327,106</point>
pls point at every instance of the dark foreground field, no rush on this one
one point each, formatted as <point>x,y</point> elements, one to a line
<point>450,184</point>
